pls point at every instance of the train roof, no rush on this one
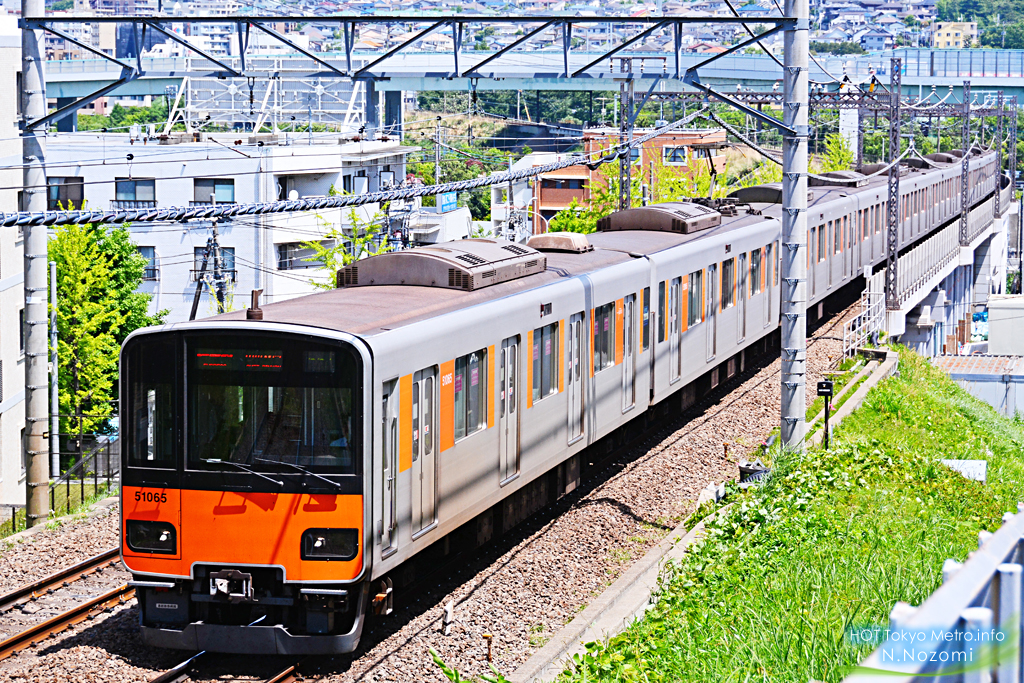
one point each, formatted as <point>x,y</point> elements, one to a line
<point>375,309</point>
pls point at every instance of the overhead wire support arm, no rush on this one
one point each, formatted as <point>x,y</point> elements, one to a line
<point>69,109</point>
<point>475,70</point>
<point>395,50</point>
<point>178,39</point>
<point>274,34</point>
<point>49,28</point>
<point>620,48</point>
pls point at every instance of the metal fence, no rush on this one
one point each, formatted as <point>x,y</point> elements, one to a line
<point>92,473</point>
<point>968,630</point>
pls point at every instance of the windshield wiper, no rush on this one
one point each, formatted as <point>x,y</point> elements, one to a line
<point>247,469</point>
<point>303,470</point>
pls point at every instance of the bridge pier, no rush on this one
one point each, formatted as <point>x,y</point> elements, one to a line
<point>394,118</point>
<point>68,124</point>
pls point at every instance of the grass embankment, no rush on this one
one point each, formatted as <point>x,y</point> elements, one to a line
<point>834,539</point>
<point>73,496</point>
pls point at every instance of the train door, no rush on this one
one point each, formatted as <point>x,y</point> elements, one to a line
<point>741,290</point>
<point>389,478</point>
<point>711,306</point>
<point>575,351</point>
<point>673,309</point>
<point>508,409</point>
<point>629,352</point>
<point>424,448</point>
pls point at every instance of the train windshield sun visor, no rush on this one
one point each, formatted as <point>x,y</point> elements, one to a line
<point>271,404</point>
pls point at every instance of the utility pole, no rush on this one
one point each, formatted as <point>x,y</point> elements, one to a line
<point>965,164</point>
<point>200,279</point>
<point>625,133</point>
<point>54,388</point>
<point>999,149</point>
<point>794,226</point>
<point>33,145</point>
<point>892,231</point>
<point>437,164</point>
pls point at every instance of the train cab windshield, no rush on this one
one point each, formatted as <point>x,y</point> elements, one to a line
<point>269,403</point>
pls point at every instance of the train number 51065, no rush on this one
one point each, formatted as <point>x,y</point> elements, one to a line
<point>150,497</point>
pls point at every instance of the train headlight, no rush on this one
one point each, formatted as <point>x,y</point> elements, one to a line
<point>151,537</point>
<point>330,544</point>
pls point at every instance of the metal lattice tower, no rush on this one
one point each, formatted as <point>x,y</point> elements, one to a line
<point>965,163</point>
<point>999,148</point>
<point>892,233</point>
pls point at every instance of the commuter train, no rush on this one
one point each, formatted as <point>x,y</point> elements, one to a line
<point>284,466</point>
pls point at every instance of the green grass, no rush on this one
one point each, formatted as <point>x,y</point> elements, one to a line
<point>838,382</point>
<point>834,539</point>
<point>62,493</point>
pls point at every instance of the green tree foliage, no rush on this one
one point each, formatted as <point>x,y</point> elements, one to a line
<point>823,48</point>
<point>123,117</point>
<point>97,307</point>
<point>466,163</point>
<point>838,155</point>
<point>127,268</point>
<point>544,105</point>
<point>341,247</point>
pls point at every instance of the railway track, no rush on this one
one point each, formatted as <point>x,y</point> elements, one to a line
<point>293,671</point>
<point>82,611</point>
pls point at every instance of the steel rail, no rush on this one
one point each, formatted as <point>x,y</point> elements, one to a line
<point>76,615</point>
<point>184,671</point>
<point>63,578</point>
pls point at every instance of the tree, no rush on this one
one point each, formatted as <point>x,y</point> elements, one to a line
<point>98,273</point>
<point>87,321</point>
<point>341,247</point>
<point>838,155</point>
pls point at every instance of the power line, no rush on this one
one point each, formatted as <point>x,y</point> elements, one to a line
<point>288,206</point>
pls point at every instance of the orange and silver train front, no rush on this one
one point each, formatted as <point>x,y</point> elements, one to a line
<point>243,484</point>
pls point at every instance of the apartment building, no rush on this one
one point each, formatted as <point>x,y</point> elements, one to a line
<point>545,196</point>
<point>955,35</point>
<point>113,171</point>
<point>12,297</point>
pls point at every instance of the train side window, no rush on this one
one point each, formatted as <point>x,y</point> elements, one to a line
<point>152,404</point>
<point>755,272</point>
<point>823,241</point>
<point>647,318</point>
<point>416,421</point>
<point>470,393</point>
<point>837,236</point>
<point>545,361</point>
<point>695,298</point>
<point>604,337</point>
<point>661,312</point>
<point>728,283</point>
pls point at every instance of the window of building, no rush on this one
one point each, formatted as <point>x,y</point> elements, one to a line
<point>563,184</point>
<point>143,190</point>
<point>604,337</point>
<point>470,393</point>
<point>297,256</point>
<point>214,191</point>
<point>346,184</point>
<point>545,361</point>
<point>755,272</point>
<point>227,262</point>
<point>64,193</point>
<point>673,156</point>
<point>21,330</point>
<point>695,298</point>
<point>149,253</point>
<point>728,283</point>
